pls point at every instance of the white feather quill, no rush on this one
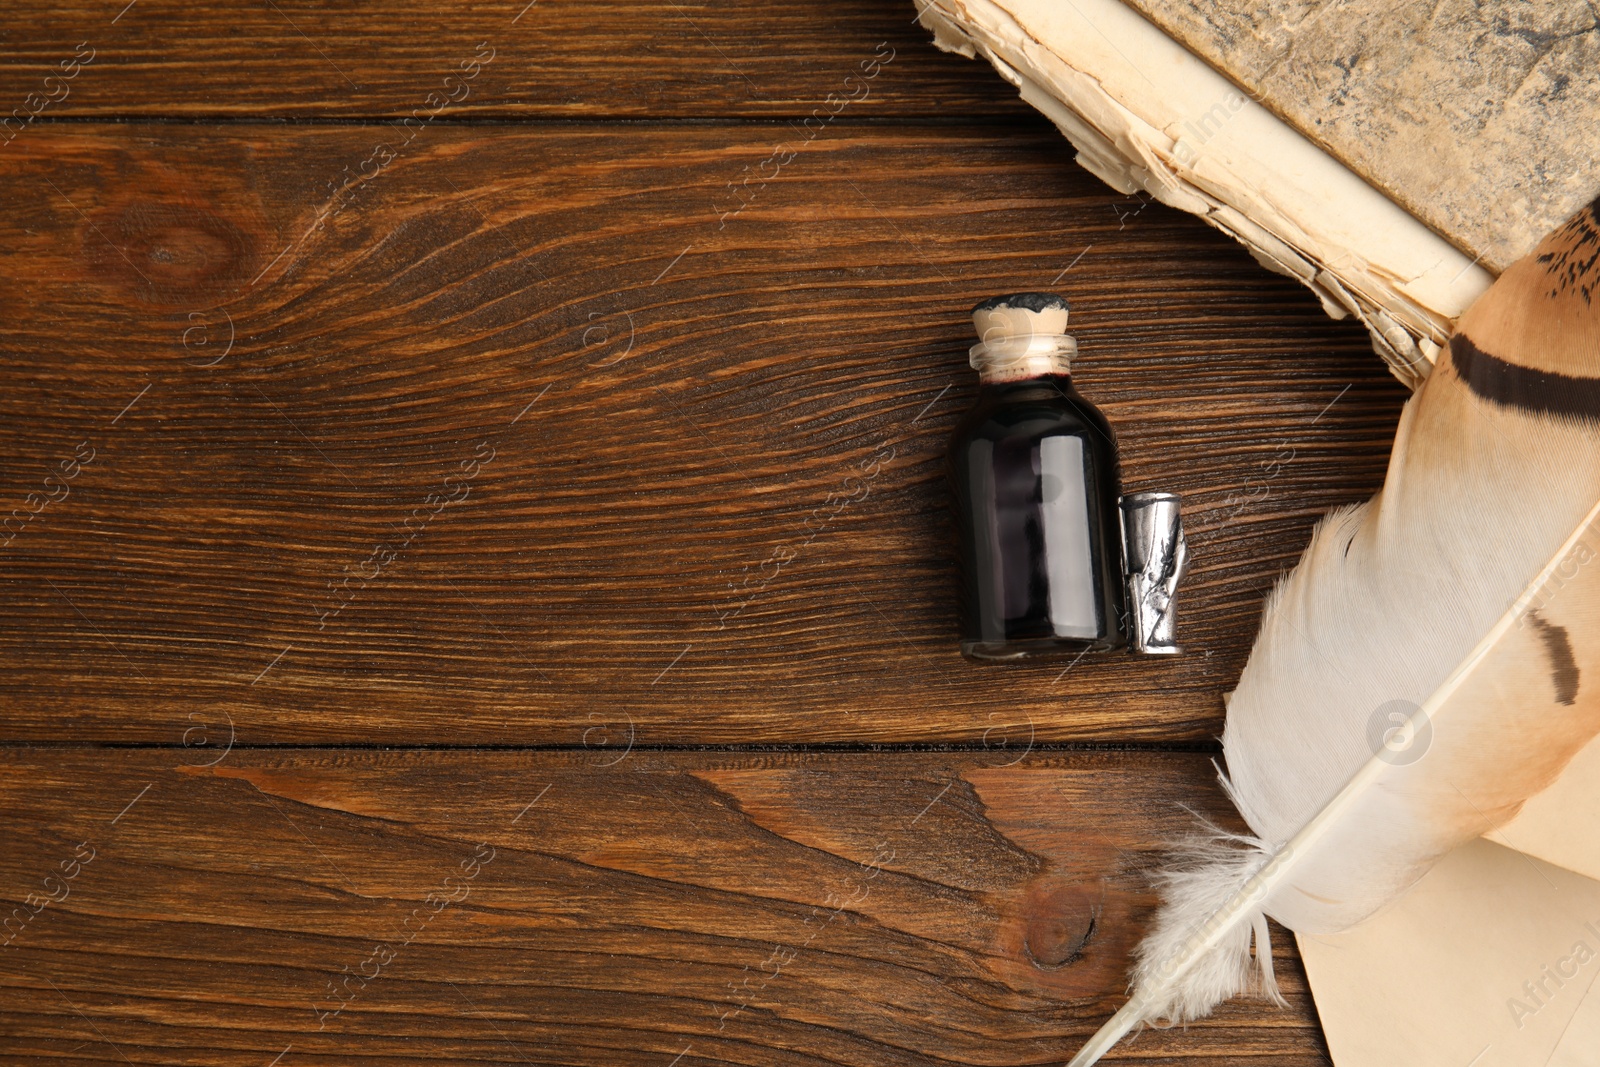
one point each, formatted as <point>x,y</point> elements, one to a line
<point>1433,661</point>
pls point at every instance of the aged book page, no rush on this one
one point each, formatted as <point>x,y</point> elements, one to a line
<point>1479,117</point>
<point>1562,824</point>
<point>1490,960</point>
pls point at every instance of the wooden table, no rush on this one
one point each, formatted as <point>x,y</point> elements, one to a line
<point>477,586</point>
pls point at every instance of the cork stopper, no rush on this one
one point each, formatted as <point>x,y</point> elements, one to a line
<point>1022,335</point>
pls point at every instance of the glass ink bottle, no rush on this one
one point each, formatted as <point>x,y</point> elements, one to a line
<point>1037,497</point>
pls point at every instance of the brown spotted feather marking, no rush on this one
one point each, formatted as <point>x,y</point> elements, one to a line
<point>1573,264</point>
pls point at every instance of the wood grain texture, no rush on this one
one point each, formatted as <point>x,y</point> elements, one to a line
<point>471,414</point>
<point>552,59</point>
<point>908,909</point>
<point>529,429</point>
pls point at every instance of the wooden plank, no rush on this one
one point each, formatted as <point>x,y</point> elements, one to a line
<point>558,59</point>
<point>907,909</point>
<point>530,437</point>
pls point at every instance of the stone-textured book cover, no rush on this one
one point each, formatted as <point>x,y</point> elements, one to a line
<point>1480,117</point>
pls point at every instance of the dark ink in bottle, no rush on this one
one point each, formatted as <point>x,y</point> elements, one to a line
<point>1036,488</point>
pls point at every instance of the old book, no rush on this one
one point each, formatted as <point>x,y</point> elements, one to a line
<point>1393,157</point>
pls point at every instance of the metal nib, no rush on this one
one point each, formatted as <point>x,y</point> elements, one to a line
<point>1155,555</point>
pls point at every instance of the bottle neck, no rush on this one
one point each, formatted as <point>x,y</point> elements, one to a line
<point>1017,359</point>
<point>1052,383</point>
